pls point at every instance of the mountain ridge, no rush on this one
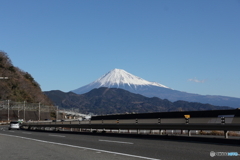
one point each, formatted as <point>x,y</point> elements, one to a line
<point>117,78</point>
<point>116,100</point>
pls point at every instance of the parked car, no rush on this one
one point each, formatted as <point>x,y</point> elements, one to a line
<point>14,125</point>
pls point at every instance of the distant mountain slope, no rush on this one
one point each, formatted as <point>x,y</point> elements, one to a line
<point>19,85</point>
<point>119,78</point>
<point>112,101</point>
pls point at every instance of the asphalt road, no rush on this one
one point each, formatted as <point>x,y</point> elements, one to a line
<point>28,145</point>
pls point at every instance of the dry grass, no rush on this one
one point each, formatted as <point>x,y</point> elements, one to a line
<point>219,133</point>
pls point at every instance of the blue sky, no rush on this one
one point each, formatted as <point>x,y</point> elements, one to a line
<point>188,45</point>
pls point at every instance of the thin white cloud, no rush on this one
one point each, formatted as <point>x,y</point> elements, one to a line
<point>196,80</point>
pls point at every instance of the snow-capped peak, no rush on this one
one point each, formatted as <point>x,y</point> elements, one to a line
<point>121,77</point>
<point>118,78</point>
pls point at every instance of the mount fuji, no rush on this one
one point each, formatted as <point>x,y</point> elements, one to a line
<point>118,78</point>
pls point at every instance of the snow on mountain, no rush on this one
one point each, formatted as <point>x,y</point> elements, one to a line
<point>118,78</point>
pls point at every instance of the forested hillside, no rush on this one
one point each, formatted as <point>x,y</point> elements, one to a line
<point>19,85</point>
<point>112,101</point>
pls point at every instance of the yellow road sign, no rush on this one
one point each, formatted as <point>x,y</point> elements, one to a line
<point>187,116</point>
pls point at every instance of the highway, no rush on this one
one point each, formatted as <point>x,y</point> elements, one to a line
<point>27,145</point>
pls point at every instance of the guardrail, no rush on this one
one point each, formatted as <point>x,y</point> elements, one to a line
<point>161,124</point>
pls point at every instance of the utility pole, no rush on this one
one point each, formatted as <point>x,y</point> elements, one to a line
<point>57,114</point>
<point>24,110</point>
<point>8,110</point>
<point>7,100</point>
<point>39,111</point>
<point>18,111</point>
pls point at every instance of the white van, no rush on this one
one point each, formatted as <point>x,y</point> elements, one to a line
<point>14,125</point>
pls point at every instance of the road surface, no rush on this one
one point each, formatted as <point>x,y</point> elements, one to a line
<point>28,145</point>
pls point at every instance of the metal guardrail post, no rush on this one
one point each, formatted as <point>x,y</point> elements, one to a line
<point>187,120</point>
<point>223,120</point>
<point>159,120</point>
